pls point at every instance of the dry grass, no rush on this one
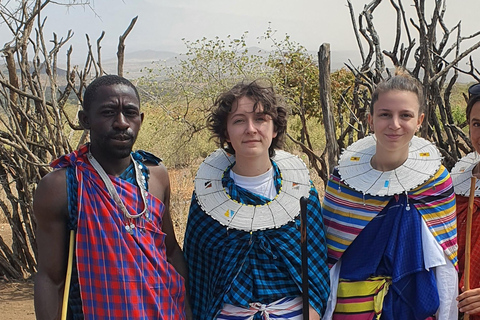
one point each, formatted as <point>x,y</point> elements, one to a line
<point>181,183</point>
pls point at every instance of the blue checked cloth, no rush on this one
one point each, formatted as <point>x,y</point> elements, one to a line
<point>238,267</point>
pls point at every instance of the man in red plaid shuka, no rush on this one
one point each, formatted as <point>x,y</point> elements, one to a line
<point>127,263</point>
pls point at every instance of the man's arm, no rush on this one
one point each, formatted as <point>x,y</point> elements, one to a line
<point>51,212</point>
<point>159,186</point>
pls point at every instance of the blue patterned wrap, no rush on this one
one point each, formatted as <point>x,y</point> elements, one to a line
<point>238,267</point>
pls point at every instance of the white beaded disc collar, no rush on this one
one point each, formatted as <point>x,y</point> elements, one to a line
<point>217,203</point>
<point>462,172</point>
<point>356,171</point>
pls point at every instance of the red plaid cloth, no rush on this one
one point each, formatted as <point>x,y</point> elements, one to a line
<point>121,275</point>
<point>462,209</point>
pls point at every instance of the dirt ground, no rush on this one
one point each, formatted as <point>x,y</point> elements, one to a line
<point>16,298</point>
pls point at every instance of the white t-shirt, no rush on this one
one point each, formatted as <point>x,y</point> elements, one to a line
<point>262,184</point>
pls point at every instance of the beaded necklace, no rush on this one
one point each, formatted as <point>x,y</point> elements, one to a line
<point>141,182</point>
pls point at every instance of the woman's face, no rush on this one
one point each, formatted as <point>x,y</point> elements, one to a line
<point>474,126</point>
<point>250,132</point>
<point>395,120</point>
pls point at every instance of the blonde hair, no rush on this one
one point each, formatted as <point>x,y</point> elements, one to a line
<point>401,81</point>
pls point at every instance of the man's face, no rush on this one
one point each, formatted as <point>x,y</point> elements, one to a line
<point>114,120</point>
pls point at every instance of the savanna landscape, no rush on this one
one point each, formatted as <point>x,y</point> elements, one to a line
<point>328,106</point>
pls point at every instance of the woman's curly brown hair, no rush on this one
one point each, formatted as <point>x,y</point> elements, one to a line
<point>263,96</point>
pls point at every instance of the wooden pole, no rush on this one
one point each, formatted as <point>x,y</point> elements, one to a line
<point>468,238</point>
<point>68,277</point>
<point>303,241</point>
<point>325,90</point>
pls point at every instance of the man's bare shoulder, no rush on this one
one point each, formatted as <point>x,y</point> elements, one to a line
<point>157,170</point>
<point>56,178</point>
<point>51,194</point>
<point>159,183</point>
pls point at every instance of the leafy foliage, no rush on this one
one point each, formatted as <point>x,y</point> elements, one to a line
<point>186,90</point>
<point>295,74</point>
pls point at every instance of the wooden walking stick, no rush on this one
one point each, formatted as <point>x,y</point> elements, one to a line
<point>68,277</point>
<point>303,241</point>
<point>468,238</point>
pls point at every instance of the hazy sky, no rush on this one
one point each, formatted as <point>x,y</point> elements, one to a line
<point>162,24</point>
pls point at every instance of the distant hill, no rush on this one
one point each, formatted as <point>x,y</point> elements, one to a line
<point>138,60</point>
<point>135,61</point>
<point>146,55</point>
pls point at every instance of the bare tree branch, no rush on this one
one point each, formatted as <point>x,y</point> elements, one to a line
<point>121,46</point>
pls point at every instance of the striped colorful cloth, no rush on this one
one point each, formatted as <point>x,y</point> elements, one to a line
<point>462,209</point>
<point>348,211</point>
<point>361,300</point>
<point>229,266</point>
<point>391,246</point>
<point>121,275</point>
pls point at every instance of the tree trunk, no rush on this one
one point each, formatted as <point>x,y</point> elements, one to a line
<point>331,144</point>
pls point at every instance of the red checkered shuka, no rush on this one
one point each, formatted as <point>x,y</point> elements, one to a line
<point>462,209</point>
<point>122,275</point>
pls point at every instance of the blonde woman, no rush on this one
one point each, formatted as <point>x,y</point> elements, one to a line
<point>390,217</point>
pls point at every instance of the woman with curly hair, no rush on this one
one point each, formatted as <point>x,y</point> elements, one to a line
<point>242,242</point>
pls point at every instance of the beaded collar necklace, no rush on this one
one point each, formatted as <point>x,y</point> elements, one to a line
<point>217,203</point>
<point>141,182</point>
